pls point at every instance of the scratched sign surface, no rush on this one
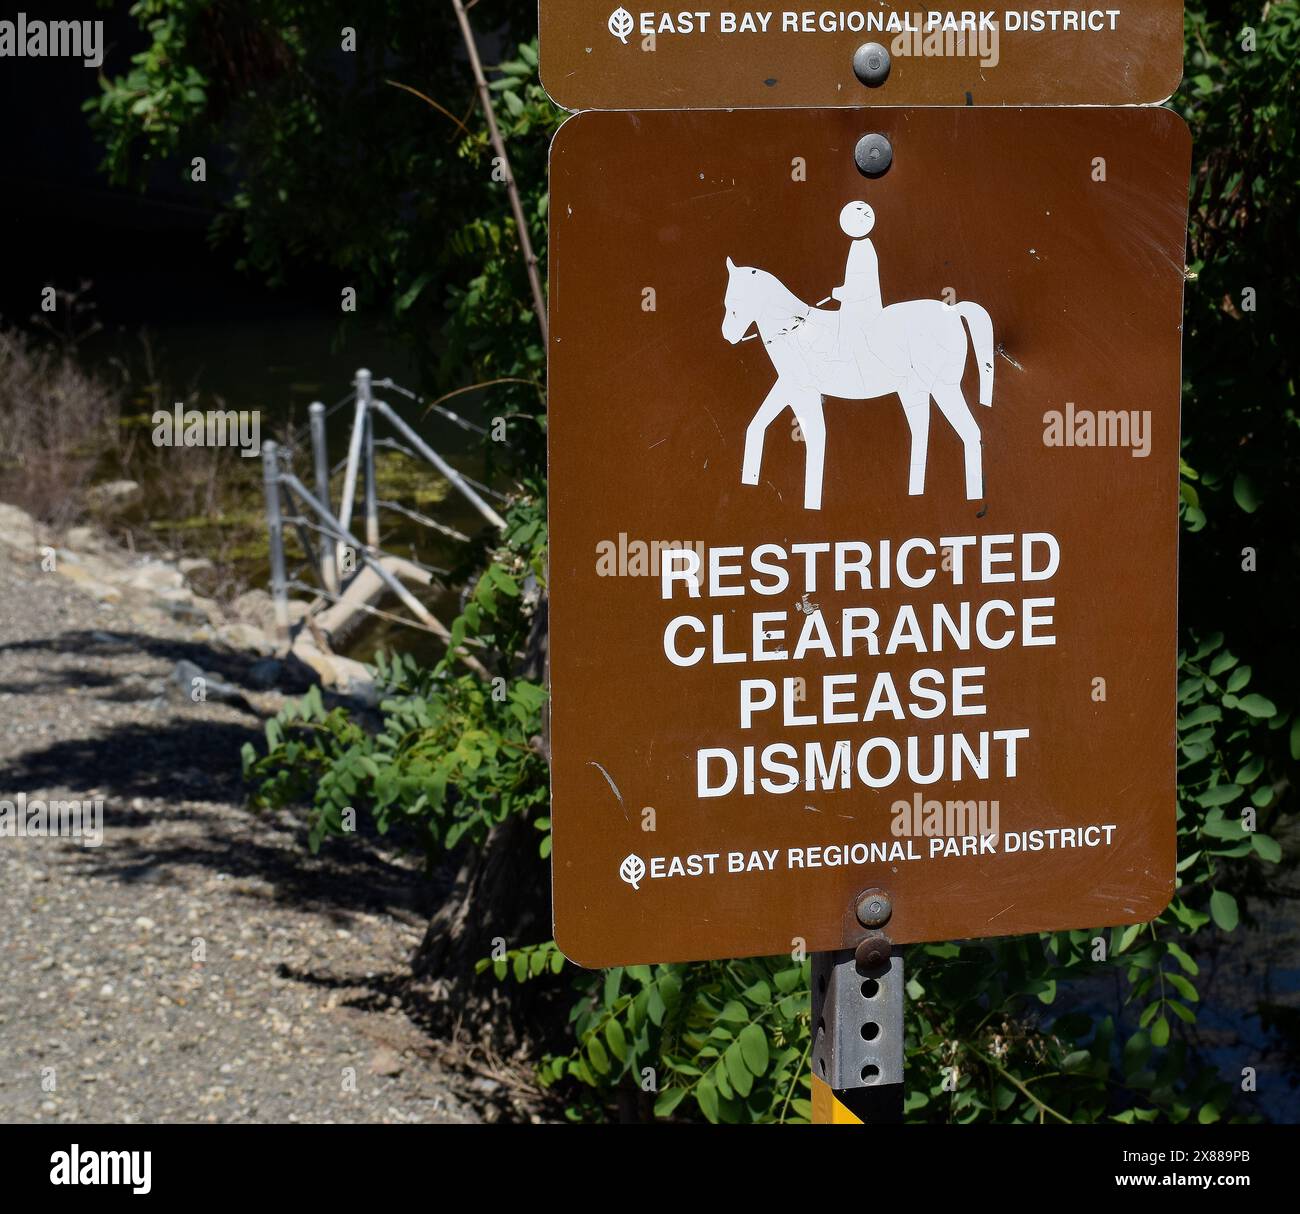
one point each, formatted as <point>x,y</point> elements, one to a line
<point>599,54</point>
<point>864,523</point>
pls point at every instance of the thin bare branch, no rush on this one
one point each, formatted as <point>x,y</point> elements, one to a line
<point>498,145</point>
<point>397,84</point>
<point>487,383</point>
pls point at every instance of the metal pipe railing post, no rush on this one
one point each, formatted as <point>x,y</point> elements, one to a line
<point>438,462</point>
<point>372,486</point>
<point>389,579</point>
<point>275,525</point>
<point>354,448</point>
<point>329,569</point>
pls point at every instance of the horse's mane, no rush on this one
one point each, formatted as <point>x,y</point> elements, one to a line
<point>781,297</point>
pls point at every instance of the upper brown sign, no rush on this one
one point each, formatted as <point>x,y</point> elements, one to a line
<point>863,523</point>
<point>603,55</point>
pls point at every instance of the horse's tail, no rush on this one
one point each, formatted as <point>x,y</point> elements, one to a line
<point>981,335</point>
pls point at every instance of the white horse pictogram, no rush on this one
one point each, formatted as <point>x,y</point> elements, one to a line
<point>915,349</point>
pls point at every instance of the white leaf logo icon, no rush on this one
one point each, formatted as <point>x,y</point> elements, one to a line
<point>632,870</point>
<point>621,24</point>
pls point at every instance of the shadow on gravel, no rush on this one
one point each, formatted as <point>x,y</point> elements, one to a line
<point>360,879</point>
<point>171,760</point>
<point>377,992</point>
<point>176,757</point>
<point>62,680</point>
<point>176,761</point>
<point>234,667</point>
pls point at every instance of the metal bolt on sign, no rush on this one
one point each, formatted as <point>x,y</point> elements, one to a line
<point>873,155</point>
<point>873,950</point>
<point>874,908</point>
<point>871,64</point>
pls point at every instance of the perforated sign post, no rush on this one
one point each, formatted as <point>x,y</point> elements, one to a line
<point>864,433</point>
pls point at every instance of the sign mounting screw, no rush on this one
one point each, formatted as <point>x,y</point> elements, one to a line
<point>874,908</point>
<point>873,155</point>
<point>871,64</point>
<point>873,952</point>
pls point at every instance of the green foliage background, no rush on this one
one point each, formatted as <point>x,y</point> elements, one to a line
<point>329,164</point>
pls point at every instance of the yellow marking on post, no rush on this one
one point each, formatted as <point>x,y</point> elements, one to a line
<point>827,1108</point>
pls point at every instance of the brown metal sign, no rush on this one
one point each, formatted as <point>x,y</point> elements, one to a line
<point>601,54</point>
<point>863,525</point>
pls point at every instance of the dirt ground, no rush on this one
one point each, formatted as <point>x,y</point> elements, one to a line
<point>200,964</point>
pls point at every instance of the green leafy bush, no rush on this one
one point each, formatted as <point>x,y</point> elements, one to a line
<point>450,759</point>
<point>730,1039</point>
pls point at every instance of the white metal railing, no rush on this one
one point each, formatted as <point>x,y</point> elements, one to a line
<point>327,536</point>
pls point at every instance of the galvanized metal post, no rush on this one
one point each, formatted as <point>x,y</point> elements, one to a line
<point>329,570</point>
<point>372,487</point>
<point>389,579</point>
<point>275,526</point>
<point>857,1055</point>
<point>354,448</point>
<point>857,1015</point>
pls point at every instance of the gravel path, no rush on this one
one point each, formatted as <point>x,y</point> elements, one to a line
<point>200,965</point>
